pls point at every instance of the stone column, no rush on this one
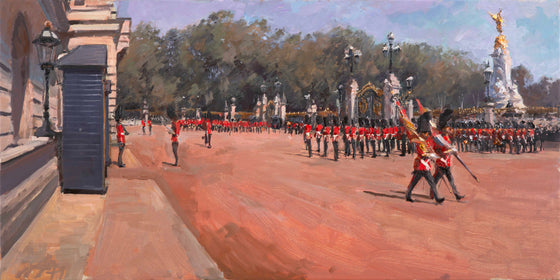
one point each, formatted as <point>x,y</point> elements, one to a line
<point>351,108</point>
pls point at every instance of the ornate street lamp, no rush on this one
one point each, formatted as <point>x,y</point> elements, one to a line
<point>390,49</point>
<point>409,81</point>
<point>45,44</point>
<point>487,76</point>
<point>278,86</point>
<point>352,55</point>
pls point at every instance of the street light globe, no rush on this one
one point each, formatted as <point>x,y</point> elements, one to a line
<point>391,37</point>
<point>45,43</point>
<point>409,81</point>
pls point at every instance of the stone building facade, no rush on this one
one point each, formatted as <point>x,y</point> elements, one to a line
<point>29,166</point>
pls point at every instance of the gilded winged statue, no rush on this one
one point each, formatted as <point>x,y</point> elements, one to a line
<point>498,19</point>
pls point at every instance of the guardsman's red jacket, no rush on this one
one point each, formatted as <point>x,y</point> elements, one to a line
<point>327,131</point>
<point>361,133</point>
<point>318,130</point>
<point>336,132</point>
<point>143,123</point>
<point>441,151</point>
<point>421,161</point>
<point>353,132</point>
<point>120,133</point>
<point>175,125</point>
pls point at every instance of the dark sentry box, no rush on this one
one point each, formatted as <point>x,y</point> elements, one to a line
<point>85,130</point>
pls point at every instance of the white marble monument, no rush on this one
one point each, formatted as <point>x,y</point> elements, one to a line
<point>503,90</point>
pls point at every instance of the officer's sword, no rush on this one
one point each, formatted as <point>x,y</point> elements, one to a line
<point>461,161</point>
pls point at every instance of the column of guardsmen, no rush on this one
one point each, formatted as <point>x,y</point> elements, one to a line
<point>372,138</point>
<point>366,138</point>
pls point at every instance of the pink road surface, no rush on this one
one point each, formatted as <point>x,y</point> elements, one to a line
<point>263,210</point>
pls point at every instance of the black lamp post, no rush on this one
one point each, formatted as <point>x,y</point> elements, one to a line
<point>487,76</point>
<point>45,44</point>
<point>389,50</point>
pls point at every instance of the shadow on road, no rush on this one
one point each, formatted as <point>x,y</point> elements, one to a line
<point>168,163</point>
<point>396,196</point>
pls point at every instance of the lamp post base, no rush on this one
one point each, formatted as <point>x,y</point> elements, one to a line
<point>45,130</point>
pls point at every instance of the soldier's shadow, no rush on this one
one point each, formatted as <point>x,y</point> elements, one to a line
<point>401,197</point>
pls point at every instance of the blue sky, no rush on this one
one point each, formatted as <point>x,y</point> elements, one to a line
<point>531,26</point>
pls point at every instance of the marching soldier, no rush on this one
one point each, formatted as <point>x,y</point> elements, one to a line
<point>318,131</point>
<point>422,164</point>
<point>386,138</point>
<point>346,137</point>
<point>362,136</point>
<point>335,137</point>
<point>443,163</point>
<point>372,137</point>
<point>120,135</point>
<point>150,125</point>
<point>353,137</point>
<point>326,136</point>
<point>209,133</point>
<point>307,135</point>
<point>174,131</point>
<point>143,126</point>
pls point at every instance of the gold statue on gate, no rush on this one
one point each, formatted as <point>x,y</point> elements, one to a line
<point>500,41</point>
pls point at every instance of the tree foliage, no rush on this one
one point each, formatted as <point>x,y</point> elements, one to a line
<point>220,58</point>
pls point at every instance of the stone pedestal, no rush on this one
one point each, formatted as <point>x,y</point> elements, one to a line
<point>391,87</point>
<point>233,111</point>
<point>351,108</point>
<point>198,115</point>
<point>410,109</point>
<point>283,113</point>
<point>489,116</point>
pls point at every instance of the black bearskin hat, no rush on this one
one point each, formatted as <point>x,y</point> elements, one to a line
<point>325,122</point>
<point>171,112</point>
<point>336,121</point>
<point>424,122</point>
<point>383,123</point>
<point>119,113</point>
<point>306,119</point>
<point>345,122</point>
<point>444,118</point>
<point>366,123</point>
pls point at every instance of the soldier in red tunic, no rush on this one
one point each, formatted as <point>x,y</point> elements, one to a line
<point>443,163</point>
<point>150,125</point>
<point>143,126</point>
<point>353,138</point>
<point>120,140</point>
<point>307,135</point>
<point>326,135</point>
<point>318,131</point>
<point>346,137</point>
<point>335,138</point>
<point>422,164</point>
<point>174,131</point>
<point>361,136</point>
<point>386,137</point>
<point>209,133</point>
<point>372,138</point>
